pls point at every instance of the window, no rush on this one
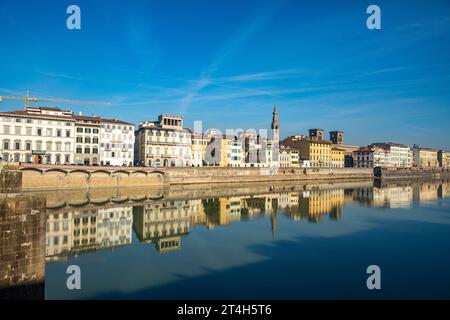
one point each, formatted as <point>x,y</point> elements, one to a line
<point>67,159</point>
<point>58,158</point>
<point>67,133</point>
<point>6,129</point>
<point>58,133</point>
<point>28,130</point>
<point>94,140</point>
<point>94,130</point>
<point>87,150</point>
<point>94,150</point>
<point>49,132</point>
<point>39,132</point>
<point>79,139</point>
<point>18,130</point>
<point>6,145</point>
<point>16,157</point>
<point>28,145</point>
<point>87,130</point>
<point>29,121</point>
<point>58,146</point>
<point>80,130</point>
<point>87,140</point>
<point>17,145</point>
<point>79,150</point>
<point>18,120</point>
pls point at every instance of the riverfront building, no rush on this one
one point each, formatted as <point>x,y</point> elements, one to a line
<point>163,142</point>
<point>289,157</point>
<point>369,157</point>
<point>57,136</point>
<point>40,135</point>
<point>386,155</point>
<point>317,152</point>
<point>116,142</point>
<point>425,157</point>
<point>397,155</point>
<point>87,140</point>
<point>444,158</point>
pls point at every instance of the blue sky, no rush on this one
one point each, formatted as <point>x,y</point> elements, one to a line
<point>228,62</point>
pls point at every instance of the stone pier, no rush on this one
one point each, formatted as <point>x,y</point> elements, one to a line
<point>22,240</point>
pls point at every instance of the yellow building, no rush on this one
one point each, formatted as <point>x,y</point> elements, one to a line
<point>217,148</point>
<point>425,157</point>
<point>317,152</point>
<point>199,143</point>
<point>337,157</point>
<point>444,158</point>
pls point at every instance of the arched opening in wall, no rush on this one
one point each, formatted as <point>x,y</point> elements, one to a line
<point>166,163</point>
<point>48,158</point>
<point>157,162</point>
<point>172,163</point>
<point>86,161</point>
<point>94,161</point>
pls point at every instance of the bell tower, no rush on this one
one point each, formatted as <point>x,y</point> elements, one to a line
<point>275,125</point>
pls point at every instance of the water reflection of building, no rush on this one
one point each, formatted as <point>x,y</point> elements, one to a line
<point>401,196</point>
<point>315,204</point>
<point>75,230</point>
<point>425,192</point>
<point>59,234</point>
<point>394,197</point>
<point>114,226</point>
<point>84,229</point>
<point>163,223</point>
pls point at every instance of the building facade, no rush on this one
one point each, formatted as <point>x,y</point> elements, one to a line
<point>38,135</point>
<point>87,139</point>
<point>369,157</point>
<point>316,152</point>
<point>425,157</point>
<point>116,142</point>
<point>289,158</point>
<point>163,143</point>
<point>337,157</point>
<point>397,155</point>
<point>444,158</point>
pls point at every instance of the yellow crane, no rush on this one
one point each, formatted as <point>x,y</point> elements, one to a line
<point>27,100</point>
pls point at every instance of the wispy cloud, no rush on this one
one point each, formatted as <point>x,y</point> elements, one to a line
<point>256,23</point>
<point>262,76</point>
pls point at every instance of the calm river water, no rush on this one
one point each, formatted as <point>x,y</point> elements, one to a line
<point>287,242</point>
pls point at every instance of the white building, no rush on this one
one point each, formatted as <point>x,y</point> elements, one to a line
<point>163,143</point>
<point>289,158</point>
<point>235,151</point>
<point>116,142</point>
<point>397,155</point>
<point>369,157</point>
<point>39,135</point>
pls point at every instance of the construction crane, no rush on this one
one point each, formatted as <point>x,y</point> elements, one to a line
<point>27,100</point>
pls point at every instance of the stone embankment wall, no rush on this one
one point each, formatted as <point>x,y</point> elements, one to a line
<point>214,175</point>
<point>45,177</point>
<point>411,173</point>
